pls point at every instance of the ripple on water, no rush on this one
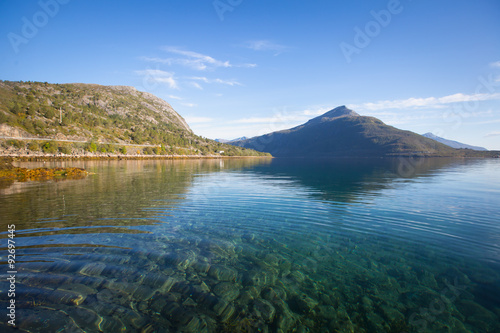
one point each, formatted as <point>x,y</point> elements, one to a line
<point>269,257</point>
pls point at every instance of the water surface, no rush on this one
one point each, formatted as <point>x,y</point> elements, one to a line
<point>253,245</point>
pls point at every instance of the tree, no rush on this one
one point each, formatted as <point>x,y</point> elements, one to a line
<point>91,147</point>
<point>48,112</point>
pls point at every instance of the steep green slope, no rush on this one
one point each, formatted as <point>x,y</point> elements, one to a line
<point>102,114</point>
<point>342,132</point>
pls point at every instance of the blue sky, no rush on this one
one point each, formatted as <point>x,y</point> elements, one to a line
<point>243,68</point>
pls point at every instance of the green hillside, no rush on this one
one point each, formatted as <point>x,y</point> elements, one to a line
<point>98,118</point>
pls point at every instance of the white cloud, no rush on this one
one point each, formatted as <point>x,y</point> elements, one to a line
<point>190,105</point>
<point>491,134</point>
<point>196,85</point>
<point>175,97</point>
<point>265,45</point>
<point>193,60</point>
<point>316,112</point>
<point>485,122</point>
<point>207,80</point>
<point>284,117</point>
<point>156,60</point>
<point>415,103</point>
<point>159,76</point>
<point>495,64</point>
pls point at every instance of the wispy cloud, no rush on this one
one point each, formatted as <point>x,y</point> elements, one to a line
<point>265,45</point>
<point>193,60</point>
<point>283,116</point>
<point>175,97</point>
<point>159,76</point>
<point>207,80</point>
<point>196,85</point>
<point>190,105</point>
<point>485,122</point>
<point>495,64</point>
<point>492,134</point>
<point>415,103</point>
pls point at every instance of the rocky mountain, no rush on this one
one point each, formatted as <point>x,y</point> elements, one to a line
<point>451,143</point>
<point>342,132</point>
<point>111,115</point>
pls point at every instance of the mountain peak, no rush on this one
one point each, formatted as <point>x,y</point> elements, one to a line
<point>338,112</point>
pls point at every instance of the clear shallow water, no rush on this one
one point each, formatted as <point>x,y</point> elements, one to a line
<point>258,246</point>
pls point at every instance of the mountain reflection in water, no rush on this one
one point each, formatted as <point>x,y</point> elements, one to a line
<point>244,245</point>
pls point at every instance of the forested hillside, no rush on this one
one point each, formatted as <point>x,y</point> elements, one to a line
<point>104,117</point>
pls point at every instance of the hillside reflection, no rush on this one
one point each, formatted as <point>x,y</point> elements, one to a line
<point>345,180</point>
<point>119,193</point>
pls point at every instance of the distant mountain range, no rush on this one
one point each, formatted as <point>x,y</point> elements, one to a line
<point>342,132</point>
<point>228,141</point>
<point>451,143</point>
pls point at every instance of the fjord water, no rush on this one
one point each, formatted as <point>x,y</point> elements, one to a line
<point>257,245</point>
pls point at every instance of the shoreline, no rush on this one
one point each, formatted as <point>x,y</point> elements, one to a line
<point>57,157</point>
<point>104,157</point>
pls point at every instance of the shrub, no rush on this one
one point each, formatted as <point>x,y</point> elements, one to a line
<point>110,148</point>
<point>49,147</point>
<point>65,149</point>
<point>31,111</point>
<point>123,150</point>
<point>3,117</point>
<point>49,112</point>
<point>33,146</point>
<point>16,144</point>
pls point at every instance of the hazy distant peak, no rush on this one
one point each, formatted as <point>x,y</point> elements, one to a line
<point>451,143</point>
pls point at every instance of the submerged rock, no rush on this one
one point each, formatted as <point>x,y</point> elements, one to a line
<point>229,291</point>
<point>93,269</point>
<point>223,273</point>
<point>302,304</point>
<point>264,310</point>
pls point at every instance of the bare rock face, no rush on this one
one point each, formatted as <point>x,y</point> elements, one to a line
<point>9,131</point>
<point>154,104</point>
<point>159,105</point>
